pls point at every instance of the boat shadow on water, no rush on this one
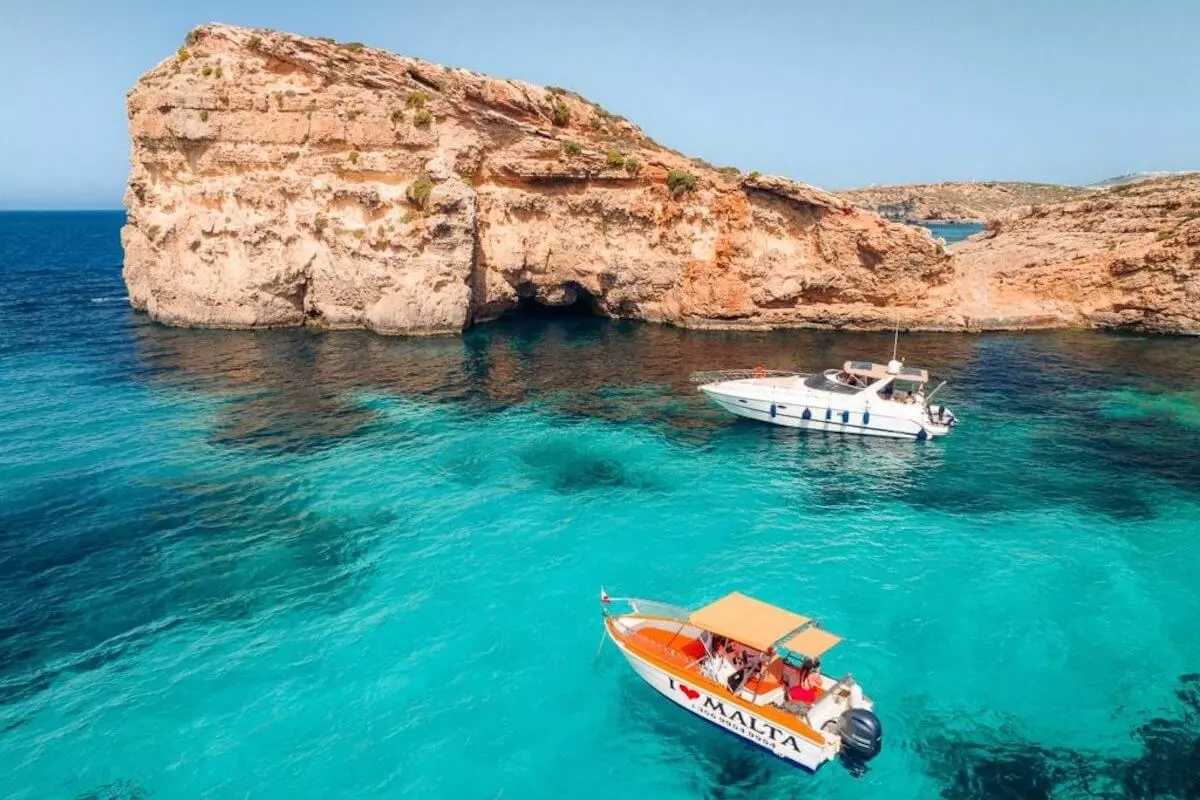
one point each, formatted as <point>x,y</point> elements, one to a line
<point>702,753</point>
<point>1168,765</point>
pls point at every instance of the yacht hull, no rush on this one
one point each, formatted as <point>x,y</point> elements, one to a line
<point>830,413</point>
<point>692,696</point>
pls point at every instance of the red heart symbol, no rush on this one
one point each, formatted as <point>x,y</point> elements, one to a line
<point>691,693</point>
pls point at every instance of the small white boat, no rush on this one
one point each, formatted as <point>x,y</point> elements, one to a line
<point>752,669</point>
<point>861,398</point>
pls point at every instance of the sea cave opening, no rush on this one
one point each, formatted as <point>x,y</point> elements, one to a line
<point>569,300</point>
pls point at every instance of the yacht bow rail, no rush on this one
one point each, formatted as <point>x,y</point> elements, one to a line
<point>718,375</point>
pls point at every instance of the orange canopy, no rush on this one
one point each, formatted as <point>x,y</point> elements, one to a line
<point>746,620</point>
<point>811,642</point>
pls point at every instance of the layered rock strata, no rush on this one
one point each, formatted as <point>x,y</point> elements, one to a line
<point>1126,258</point>
<point>280,180</point>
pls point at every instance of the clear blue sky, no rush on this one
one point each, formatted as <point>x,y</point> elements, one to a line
<point>834,93</point>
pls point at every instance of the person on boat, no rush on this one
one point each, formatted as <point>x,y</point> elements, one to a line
<point>808,686</point>
<point>736,680</point>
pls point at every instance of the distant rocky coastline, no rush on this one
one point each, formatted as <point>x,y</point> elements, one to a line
<point>282,180</point>
<point>961,202</point>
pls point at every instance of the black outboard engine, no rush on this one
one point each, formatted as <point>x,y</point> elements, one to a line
<point>862,735</point>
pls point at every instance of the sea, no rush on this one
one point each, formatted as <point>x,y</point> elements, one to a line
<point>336,565</point>
<point>954,232</point>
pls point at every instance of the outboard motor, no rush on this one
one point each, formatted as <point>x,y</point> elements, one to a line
<point>862,735</point>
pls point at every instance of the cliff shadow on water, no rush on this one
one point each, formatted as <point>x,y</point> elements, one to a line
<point>1131,400</point>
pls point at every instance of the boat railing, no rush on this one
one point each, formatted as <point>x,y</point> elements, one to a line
<point>651,608</point>
<point>719,375</point>
<point>832,699</point>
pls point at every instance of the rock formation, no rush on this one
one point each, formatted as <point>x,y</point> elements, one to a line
<point>956,201</point>
<point>1124,258</point>
<point>282,180</point>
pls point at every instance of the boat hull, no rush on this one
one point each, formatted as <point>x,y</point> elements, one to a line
<point>828,414</point>
<point>791,746</point>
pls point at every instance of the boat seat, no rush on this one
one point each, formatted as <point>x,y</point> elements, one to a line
<point>692,648</point>
<point>761,686</point>
<point>683,649</point>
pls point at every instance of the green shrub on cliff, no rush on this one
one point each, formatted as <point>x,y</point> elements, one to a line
<point>572,148</point>
<point>183,54</point>
<point>204,115</point>
<point>560,114</point>
<point>152,232</point>
<point>615,158</point>
<point>254,43</point>
<point>206,71</point>
<point>397,116</point>
<point>754,175</point>
<point>320,223</point>
<point>680,181</point>
<point>418,192</point>
<point>416,99</point>
<point>632,166</point>
<point>353,156</point>
<point>353,47</point>
<point>422,118</point>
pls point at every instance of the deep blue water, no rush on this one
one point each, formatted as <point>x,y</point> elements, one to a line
<point>289,564</point>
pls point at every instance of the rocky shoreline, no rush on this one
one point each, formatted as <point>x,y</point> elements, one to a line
<point>281,180</point>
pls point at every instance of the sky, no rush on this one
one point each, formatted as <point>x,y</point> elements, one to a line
<point>832,93</point>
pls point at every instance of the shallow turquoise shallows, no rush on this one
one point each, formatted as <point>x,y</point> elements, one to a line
<point>301,565</point>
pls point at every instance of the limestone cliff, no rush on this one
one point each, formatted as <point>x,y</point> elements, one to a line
<point>280,180</point>
<point>957,201</point>
<point>1128,257</point>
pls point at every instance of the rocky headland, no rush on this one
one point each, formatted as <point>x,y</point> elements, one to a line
<point>956,201</point>
<point>281,180</point>
<point>1128,258</point>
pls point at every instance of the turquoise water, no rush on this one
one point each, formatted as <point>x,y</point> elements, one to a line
<point>954,233</point>
<point>288,564</point>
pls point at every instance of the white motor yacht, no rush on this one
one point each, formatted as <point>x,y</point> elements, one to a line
<point>860,398</point>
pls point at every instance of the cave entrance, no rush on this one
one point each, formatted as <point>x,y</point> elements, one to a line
<point>569,300</point>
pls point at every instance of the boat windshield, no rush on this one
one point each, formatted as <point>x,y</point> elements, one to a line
<point>826,384</point>
<point>903,391</point>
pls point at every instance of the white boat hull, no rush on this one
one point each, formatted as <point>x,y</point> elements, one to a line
<point>788,745</point>
<point>825,411</point>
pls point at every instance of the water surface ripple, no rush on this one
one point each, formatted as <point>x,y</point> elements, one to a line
<point>337,565</point>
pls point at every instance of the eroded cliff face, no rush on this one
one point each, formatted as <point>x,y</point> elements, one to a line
<point>279,180</point>
<point>1127,258</point>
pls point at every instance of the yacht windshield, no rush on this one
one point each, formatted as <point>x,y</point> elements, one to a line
<point>903,391</point>
<point>823,383</point>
